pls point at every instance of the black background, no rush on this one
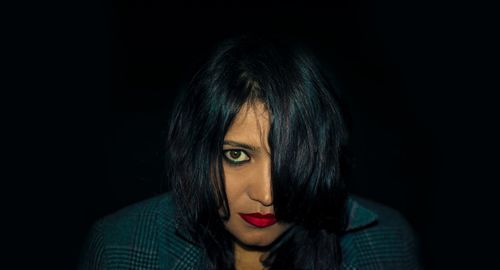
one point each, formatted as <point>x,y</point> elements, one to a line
<point>412,75</point>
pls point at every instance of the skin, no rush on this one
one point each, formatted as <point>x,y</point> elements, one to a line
<point>248,184</point>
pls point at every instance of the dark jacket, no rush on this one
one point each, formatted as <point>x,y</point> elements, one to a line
<point>145,236</point>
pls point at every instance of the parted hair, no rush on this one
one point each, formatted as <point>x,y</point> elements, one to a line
<point>306,138</point>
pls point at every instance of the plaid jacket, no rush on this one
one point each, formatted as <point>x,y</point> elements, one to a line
<point>144,236</point>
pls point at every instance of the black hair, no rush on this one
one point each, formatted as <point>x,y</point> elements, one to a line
<point>306,139</point>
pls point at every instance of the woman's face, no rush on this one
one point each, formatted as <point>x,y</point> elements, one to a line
<point>247,172</point>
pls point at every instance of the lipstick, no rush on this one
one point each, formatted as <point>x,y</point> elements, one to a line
<point>259,220</point>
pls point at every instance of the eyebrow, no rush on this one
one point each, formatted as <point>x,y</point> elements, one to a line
<point>242,145</point>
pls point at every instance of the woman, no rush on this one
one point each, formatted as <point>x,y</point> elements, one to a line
<point>254,153</point>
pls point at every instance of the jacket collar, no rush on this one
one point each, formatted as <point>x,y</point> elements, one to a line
<point>358,215</point>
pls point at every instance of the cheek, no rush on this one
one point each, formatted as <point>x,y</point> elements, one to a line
<point>235,185</point>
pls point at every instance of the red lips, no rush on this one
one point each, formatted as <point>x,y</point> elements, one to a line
<point>259,220</point>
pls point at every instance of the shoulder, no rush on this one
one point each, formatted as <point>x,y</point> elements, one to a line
<point>381,238</point>
<point>130,236</point>
<point>137,220</point>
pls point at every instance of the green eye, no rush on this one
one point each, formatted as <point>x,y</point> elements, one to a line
<point>236,156</point>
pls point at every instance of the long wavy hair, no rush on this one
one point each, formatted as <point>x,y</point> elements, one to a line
<point>306,138</point>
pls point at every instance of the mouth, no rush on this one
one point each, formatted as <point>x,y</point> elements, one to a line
<point>259,220</point>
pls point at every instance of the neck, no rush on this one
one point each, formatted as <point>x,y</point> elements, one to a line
<point>248,259</point>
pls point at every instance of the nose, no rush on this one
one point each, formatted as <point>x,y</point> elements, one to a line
<point>260,188</point>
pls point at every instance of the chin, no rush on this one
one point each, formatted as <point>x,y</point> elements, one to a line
<point>251,236</point>
<point>258,238</point>
<point>256,241</point>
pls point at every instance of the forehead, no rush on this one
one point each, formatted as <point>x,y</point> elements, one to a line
<point>251,124</point>
<point>252,113</point>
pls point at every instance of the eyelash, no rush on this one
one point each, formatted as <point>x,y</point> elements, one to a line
<point>235,163</point>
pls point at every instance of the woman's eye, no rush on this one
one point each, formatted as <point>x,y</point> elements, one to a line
<point>236,156</point>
